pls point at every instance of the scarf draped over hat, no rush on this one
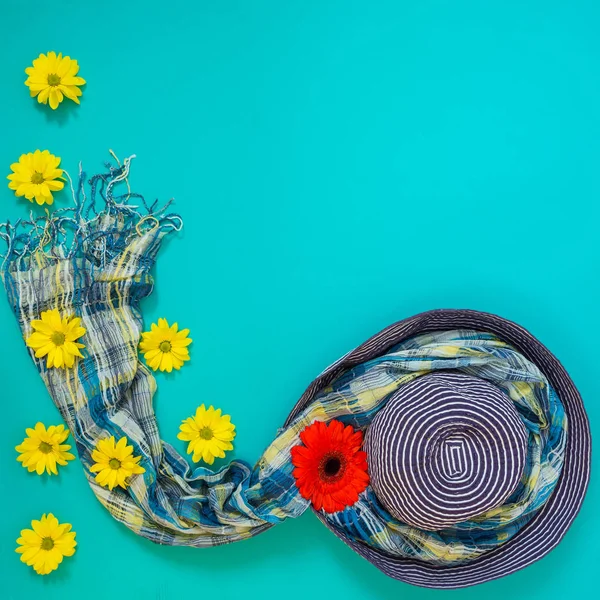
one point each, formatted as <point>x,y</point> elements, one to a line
<point>94,261</point>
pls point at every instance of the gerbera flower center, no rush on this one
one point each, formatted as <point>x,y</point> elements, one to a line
<point>37,178</point>
<point>58,338</point>
<point>165,346</point>
<point>47,543</point>
<point>53,79</point>
<point>332,467</point>
<point>45,447</point>
<point>114,463</point>
<point>206,433</point>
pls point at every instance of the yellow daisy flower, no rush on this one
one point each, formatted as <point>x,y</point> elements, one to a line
<point>114,463</point>
<point>165,347</point>
<point>44,546</point>
<point>36,176</point>
<point>55,337</point>
<point>209,434</point>
<point>52,77</point>
<point>43,449</point>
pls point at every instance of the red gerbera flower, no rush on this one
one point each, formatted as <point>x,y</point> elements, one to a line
<point>331,469</point>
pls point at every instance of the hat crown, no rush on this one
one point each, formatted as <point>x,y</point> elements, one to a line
<point>446,448</point>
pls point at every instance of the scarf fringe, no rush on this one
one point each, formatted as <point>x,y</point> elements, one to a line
<point>83,230</point>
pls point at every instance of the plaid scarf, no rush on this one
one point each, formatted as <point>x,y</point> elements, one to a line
<point>95,263</point>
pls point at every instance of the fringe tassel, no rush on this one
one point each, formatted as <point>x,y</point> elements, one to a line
<point>83,231</point>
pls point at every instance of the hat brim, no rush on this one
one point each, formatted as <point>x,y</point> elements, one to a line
<point>549,526</point>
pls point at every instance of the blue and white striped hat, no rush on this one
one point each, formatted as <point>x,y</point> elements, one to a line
<point>449,450</point>
<point>446,448</point>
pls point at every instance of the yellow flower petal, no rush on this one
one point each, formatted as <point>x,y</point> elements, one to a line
<point>102,477</point>
<point>166,363</point>
<point>64,66</point>
<point>55,97</point>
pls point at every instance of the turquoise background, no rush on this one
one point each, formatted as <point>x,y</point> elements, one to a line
<point>339,165</point>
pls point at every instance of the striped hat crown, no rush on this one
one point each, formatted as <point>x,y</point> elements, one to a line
<point>446,448</point>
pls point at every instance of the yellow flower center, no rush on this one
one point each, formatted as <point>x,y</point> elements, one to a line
<point>165,346</point>
<point>45,448</point>
<point>37,178</point>
<point>58,338</point>
<point>53,79</point>
<point>47,543</point>
<point>206,433</point>
<point>114,463</point>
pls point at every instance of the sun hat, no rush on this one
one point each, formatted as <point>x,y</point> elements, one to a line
<point>448,446</point>
<point>449,449</point>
